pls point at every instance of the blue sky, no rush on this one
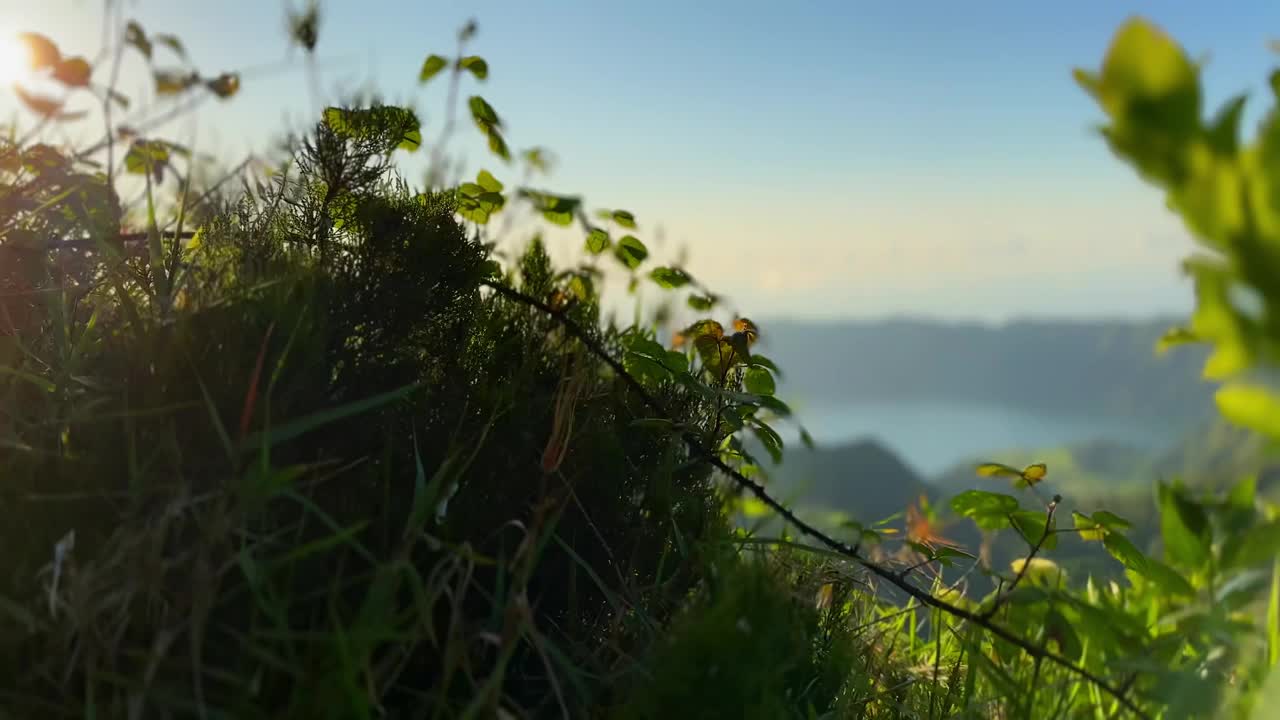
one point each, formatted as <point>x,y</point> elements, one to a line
<point>816,159</point>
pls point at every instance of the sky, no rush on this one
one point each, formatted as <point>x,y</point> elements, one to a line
<point>809,159</point>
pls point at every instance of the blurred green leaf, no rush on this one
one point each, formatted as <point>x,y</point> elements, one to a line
<point>1032,525</point>
<point>173,43</point>
<point>669,277</point>
<point>597,241</point>
<point>487,181</point>
<point>431,67</point>
<point>1255,546</point>
<point>1184,527</point>
<point>701,302</point>
<point>989,510</point>
<point>1250,406</point>
<point>136,37</point>
<point>759,381</point>
<point>770,439</point>
<point>630,251</point>
<point>474,64</point>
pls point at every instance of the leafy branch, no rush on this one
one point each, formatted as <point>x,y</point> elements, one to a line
<point>852,552</point>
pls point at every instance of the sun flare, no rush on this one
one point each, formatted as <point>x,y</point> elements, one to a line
<point>15,58</point>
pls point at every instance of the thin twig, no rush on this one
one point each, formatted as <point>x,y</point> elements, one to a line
<point>1003,597</point>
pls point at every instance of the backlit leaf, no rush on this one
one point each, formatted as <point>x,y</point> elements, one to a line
<point>1175,336</point>
<point>992,469</point>
<point>431,67</point>
<point>174,82</point>
<point>173,43</point>
<point>625,219</point>
<point>41,51</point>
<point>989,510</point>
<point>770,439</point>
<point>476,65</point>
<point>1259,545</point>
<point>135,36</point>
<point>597,241</point>
<point>669,277</point>
<point>759,381</point>
<point>73,72</point>
<point>1032,525</point>
<point>701,302</point>
<point>225,85</point>
<point>630,251</point>
<point>483,113</point>
<point>1184,527</point>
<point>1250,406</point>
<point>487,181</point>
<point>51,108</point>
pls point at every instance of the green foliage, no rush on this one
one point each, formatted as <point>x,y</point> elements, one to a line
<point>326,456</point>
<point>1223,189</point>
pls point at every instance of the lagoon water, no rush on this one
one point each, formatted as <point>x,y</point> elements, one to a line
<point>932,437</point>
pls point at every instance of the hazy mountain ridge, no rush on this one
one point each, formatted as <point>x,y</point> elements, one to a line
<point>1103,368</point>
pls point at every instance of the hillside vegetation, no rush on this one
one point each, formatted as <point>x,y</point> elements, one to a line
<point>294,441</point>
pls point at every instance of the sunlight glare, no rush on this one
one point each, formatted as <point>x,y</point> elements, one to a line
<point>15,58</point>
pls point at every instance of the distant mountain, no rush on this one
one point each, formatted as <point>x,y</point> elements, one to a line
<point>1081,368</point>
<point>862,479</point>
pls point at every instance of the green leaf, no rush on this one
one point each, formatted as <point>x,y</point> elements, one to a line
<point>483,113</point>
<point>1087,527</point>
<point>556,209</point>
<point>758,360</point>
<point>1224,131</point>
<point>475,65</point>
<point>1250,406</point>
<point>630,251</point>
<point>770,439</point>
<point>597,241</point>
<point>946,554</point>
<point>669,277</point>
<point>1167,578</point>
<point>806,439</point>
<point>1126,552</point>
<point>136,37</point>
<point>1175,336</point>
<point>488,181</point>
<point>1258,545</point>
<point>537,159</point>
<point>145,155</point>
<point>431,67</point>
<point>625,219</point>
<point>701,302</point>
<point>175,82</point>
<point>173,43</point>
<point>759,381</point>
<point>1031,524</point>
<point>228,84</point>
<point>1184,527</point>
<point>498,145</point>
<point>1151,91</point>
<point>1097,526</point>
<point>989,510</point>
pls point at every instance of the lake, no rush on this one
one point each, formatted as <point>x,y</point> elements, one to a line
<point>932,437</point>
